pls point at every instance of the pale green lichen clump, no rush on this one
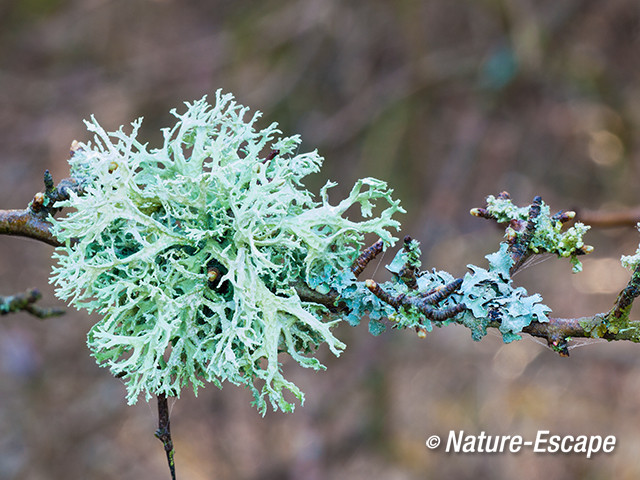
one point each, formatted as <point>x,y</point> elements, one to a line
<point>189,252</point>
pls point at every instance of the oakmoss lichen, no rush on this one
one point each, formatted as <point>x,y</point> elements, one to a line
<point>189,252</point>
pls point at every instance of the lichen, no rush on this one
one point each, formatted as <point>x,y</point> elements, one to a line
<point>488,296</point>
<point>549,235</point>
<point>189,252</point>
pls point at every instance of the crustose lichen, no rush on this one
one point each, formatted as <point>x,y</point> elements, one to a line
<point>189,252</point>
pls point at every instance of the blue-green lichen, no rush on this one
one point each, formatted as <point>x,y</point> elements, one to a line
<point>488,295</point>
<point>189,252</point>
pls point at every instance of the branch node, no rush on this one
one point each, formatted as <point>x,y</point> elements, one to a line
<point>425,303</point>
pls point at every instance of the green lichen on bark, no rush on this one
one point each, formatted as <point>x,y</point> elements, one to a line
<point>189,252</point>
<point>482,297</point>
<point>549,236</point>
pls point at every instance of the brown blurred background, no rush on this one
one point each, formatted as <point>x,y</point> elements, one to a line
<point>447,100</point>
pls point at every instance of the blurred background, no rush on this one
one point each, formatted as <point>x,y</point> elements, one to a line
<point>447,100</point>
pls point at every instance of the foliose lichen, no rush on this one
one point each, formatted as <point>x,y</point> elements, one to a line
<point>490,297</point>
<point>189,252</point>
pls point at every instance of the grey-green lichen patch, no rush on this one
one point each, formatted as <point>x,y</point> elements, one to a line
<point>427,282</point>
<point>490,297</point>
<point>548,236</point>
<point>189,252</point>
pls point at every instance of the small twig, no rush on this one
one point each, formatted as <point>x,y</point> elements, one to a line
<point>272,154</point>
<point>564,216</point>
<point>365,257</point>
<point>425,304</point>
<point>26,302</point>
<point>408,272</point>
<point>519,246</point>
<point>308,294</point>
<point>164,432</point>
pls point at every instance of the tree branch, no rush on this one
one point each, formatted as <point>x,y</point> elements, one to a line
<point>613,325</point>
<point>25,224</point>
<point>33,221</point>
<point>25,301</point>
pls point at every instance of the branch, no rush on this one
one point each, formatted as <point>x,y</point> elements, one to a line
<point>164,432</point>
<point>26,302</point>
<point>425,304</point>
<point>25,224</point>
<point>367,255</point>
<point>530,231</point>
<point>33,221</point>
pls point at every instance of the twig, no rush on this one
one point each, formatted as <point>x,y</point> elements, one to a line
<point>367,255</point>
<point>164,432</point>
<point>425,304</point>
<point>408,272</point>
<point>622,306</point>
<point>519,244</point>
<point>25,301</point>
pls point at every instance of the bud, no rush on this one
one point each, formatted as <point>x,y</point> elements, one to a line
<point>586,249</point>
<point>480,212</point>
